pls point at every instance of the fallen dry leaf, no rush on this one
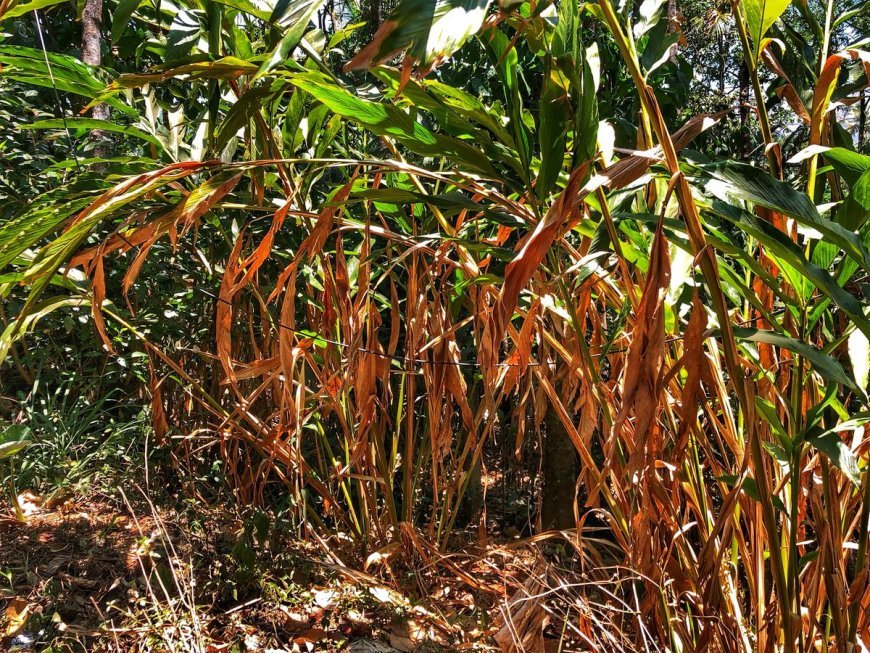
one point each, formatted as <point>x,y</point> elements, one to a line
<point>17,613</point>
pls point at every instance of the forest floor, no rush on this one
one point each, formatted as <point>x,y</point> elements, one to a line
<point>117,572</point>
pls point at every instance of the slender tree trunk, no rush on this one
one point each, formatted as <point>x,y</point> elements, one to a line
<point>559,467</point>
<point>92,40</point>
<point>673,26</point>
<point>721,43</point>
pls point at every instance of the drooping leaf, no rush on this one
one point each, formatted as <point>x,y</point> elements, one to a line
<point>56,71</point>
<point>781,245</point>
<point>386,119</point>
<point>826,366</point>
<point>732,180</point>
<point>223,68</point>
<point>19,327</point>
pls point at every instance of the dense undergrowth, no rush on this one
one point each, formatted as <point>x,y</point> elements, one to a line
<point>545,323</point>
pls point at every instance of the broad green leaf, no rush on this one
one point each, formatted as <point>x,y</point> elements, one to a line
<point>859,356</point>
<point>781,245</point>
<point>826,366</point>
<point>25,7</point>
<point>649,13</point>
<point>503,56</point>
<point>731,181</point>
<point>848,164</point>
<point>855,209</point>
<point>244,109</point>
<point>297,19</point>
<point>248,7</point>
<point>838,453</point>
<point>122,16</point>
<point>15,438</point>
<point>552,132</point>
<point>760,17</point>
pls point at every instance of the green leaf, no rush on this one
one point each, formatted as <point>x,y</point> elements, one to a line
<point>41,218</point>
<point>386,119</point>
<point>827,367</point>
<point>25,7</point>
<point>93,123</point>
<point>751,488</point>
<point>223,68</point>
<point>552,133</point>
<point>297,20</point>
<point>240,114</point>
<point>848,164</point>
<point>19,327</point>
<point>15,438</point>
<point>838,453</point>
<point>247,7</point>
<point>184,33</point>
<point>768,411</point>
<point>760,17</point>
<point>62,72</point>
<point>782,246</point>
<point>730,180</point>
<point>122,16</point>
<point>855,209</point>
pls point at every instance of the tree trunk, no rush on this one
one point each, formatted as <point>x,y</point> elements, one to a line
<point>92,27</point>
<point>673,26</point>
<point>559,467</point>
